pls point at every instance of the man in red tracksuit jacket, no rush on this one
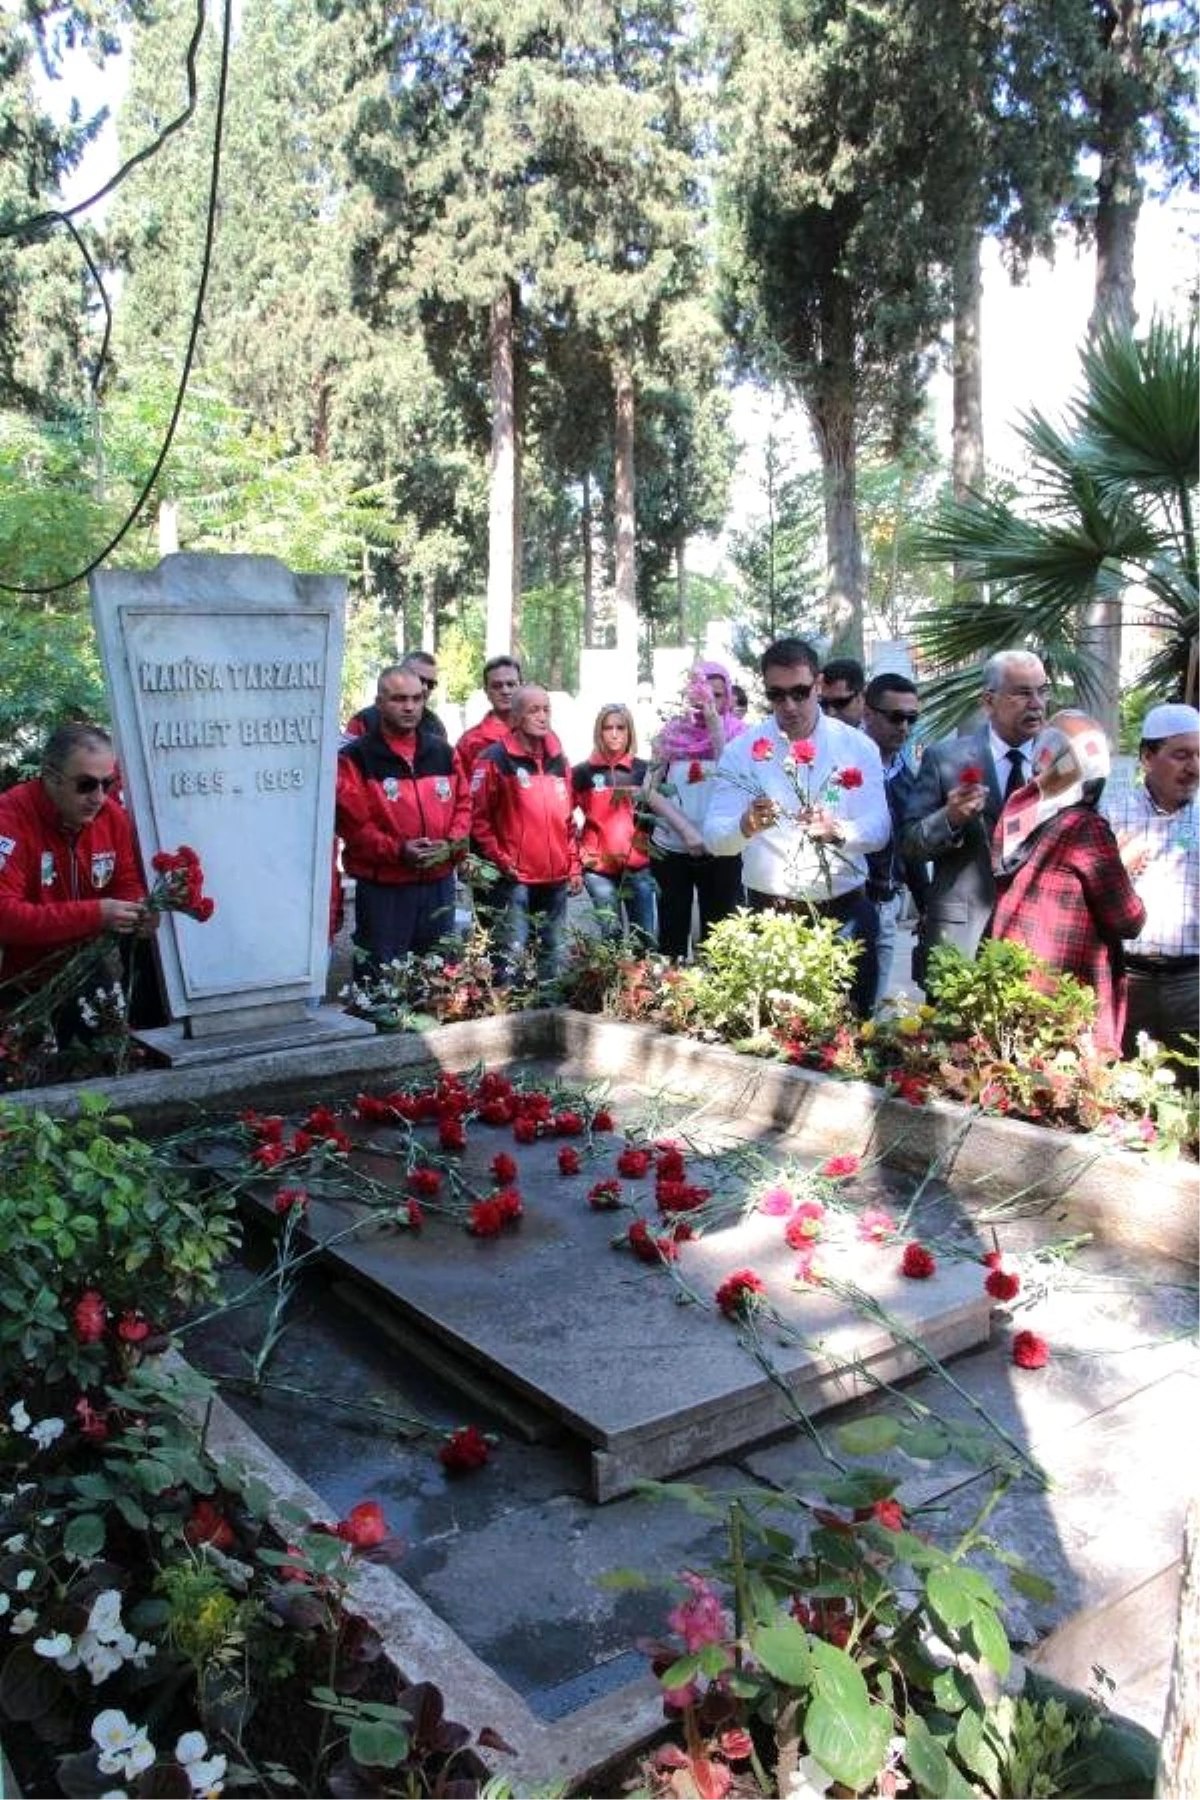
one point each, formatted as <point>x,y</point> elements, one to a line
<point>501,684</point>
<point>68,868</point>
<point>403,810</point>
<point>522,820</point>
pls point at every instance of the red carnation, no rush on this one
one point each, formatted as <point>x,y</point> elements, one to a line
<point>89,1316</point>
<point>291,1199</point>
<point>414,1215</point>
<point>602,1120</point>
<point>804,752</point>
<point>504,1168</point>
<point>804,1225</point>
<point>670,1164</point>
<point>1003,1284</point>
<point>364,1527</point>
<point>525,1130</point>
<point>485,1219</point>
<point>424,1181</point>
<point>648,1248</point>
<point>888,1513</point>
<point>739,1292</point>
<point>761,750</point>
<point>498,1112</point>
<point>452,1134</point>
<point>464,1451</point>
<point>971,775</point>
<point>838,1167</point>
<point>132,1328</point>
<point>568,1124</point>
<point>633,1163</point>
<point>568,1160</point>
<point>207,1524</point>
<point>849,778</point>
<point>695,772</point>
<point>1030,1351</point>
<point>917,1263</point>
<point>508,1204</point>
<point>494,1087</point>
<point>605,1195</point>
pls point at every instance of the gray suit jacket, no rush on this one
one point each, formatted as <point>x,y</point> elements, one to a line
<point>962,893</point>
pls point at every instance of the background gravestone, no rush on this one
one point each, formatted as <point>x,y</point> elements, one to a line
<point>224,674</point>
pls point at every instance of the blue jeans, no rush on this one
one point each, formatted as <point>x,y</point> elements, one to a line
<point>517,904</point>
<point>626,904</point>
<point>887,914</point>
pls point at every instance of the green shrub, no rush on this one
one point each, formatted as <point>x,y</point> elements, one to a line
<point>994,999</point>
<point>758,972</point>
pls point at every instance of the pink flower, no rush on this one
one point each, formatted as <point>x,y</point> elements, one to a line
<point>888,1513</point>
<point>1030,1351</point>
<point>777,1203</point>
<point>849,778</point>
<point>699,1618</point>
<point>89,1316</point>
<point>364,1527</point>
<point>805,1224</point>
<point>838,1167</point>
<point>875,1225</point>
<point>917,1263</point>
<point>762,750</point>
<point>804,752</point>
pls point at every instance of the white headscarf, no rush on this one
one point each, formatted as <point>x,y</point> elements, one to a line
<point>1070,766</point>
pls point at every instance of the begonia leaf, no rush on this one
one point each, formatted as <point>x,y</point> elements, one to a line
<point>850,1741</point>
<point>377,1745</point>
<point>926,1761</point>
<point>84,1536</point>
<point>784,1652</point>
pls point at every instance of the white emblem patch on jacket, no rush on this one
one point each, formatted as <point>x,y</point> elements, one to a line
<point>48,870</point>
<point>7,846</point>
<point>103,864</point>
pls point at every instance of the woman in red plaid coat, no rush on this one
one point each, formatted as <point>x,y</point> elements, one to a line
<point>1062,889</point>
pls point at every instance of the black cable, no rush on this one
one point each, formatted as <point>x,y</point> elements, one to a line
<point>57,587</point>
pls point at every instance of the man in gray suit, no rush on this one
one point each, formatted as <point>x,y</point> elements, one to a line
<point>959,793</point>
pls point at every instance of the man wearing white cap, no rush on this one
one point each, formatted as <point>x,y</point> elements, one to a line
<point>1158,828</point>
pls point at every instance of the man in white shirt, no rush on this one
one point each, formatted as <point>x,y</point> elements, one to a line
<point>1158,828</point>
<point>802,799</point>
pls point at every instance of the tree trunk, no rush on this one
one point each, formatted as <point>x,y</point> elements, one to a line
<point>504,512</point>
<point>589,572</point>
<point>834,424</point>
<point>1118,204</point>
<point>967,455</point>
<point>623,497</point>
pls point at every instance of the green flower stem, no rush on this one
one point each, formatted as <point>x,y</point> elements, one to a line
<point>406,1425</point>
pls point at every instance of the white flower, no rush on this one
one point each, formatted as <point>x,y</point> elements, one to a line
<point>810,1781</point>
<point>191,1747</point>
<point>14,1544</point>
<point>100,1660</point>
<point>24,1580</point>
<point>124,1748</point>
<point>5,1603</point>
<point>19,1416</point>
<point>207,1777</point>
<point>111,1730</point>
<point>54,1647</point>
<point>1164,1077</point>
<point>105,1616</point>
<point>47,1432</point>
<point>22,1621</point>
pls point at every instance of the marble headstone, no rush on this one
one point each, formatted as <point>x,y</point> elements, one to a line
<point>224,675</point>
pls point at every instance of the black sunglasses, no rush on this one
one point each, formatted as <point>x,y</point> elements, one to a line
<point>837,702</point>
<point>894,716</point>
<point>427,682</point>
<point>87,784</point>
<point>801,691</point>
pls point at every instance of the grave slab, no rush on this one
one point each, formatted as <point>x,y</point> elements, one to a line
<point>327,1025</point>
<point>636,1360</point>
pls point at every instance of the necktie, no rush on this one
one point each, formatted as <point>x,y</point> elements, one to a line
<point>1016,773</point>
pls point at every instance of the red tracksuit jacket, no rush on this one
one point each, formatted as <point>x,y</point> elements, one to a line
<point>522,812</point>
<point>611,840</point>
<point>52,883</point>
<point>389,791</point>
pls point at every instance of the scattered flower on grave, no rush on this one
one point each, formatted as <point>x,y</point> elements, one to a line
<point>740,1293</point>
<point>633,1162</point>
<point>1003,1284</point>
<point>761,750</point>
<point>498,1112</point>
<point>364,1526</point>
<point>132,1328</point>
<point>509,1203</point>
<point>848,778</point>
<point>413,1215</point>
<point>525,1129</point>
<point>699,1618</point>
<point>179,886</point>
<point>917,1262</point>
<point>465,1450</point>
<point>679,1196</point>
<point>1029,1351</point>
<point>425,1181</point>
<point>485,1219</point>
<point>207,1524</point>
<point>776,1203</point>
<point>602,1120</point>
<point>504,1168</point>
<point>838,1168</point>
<point>291,1199</point>
<point>494,1086</point>
<point>875,1225</point>
<point>805,1224</point>
<point>266,1127</point>
<point>668,1161</point>
<point>269,1156</point>
<point>452,1134</point>
<point>568,1124</point>
<point>568,1160</point>
<point>89,1317</point>
<point>369,1110</point>
<point>809,1271</point>
<point>605,1195</point>
<point>322,1122</point>
<point>651,1249</point>
<point>888,1513</point>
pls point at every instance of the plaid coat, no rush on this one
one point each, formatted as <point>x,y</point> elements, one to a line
<point>1072,902</point>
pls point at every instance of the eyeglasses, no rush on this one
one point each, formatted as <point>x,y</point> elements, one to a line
<point>1028,693</point>
<point>801,691</point>
<point>87,784</point>
<point>428,682</point>
<point>837,702</point>
<point>894,716</point>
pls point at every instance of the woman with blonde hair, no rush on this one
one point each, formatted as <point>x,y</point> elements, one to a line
<point>609,794</point>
